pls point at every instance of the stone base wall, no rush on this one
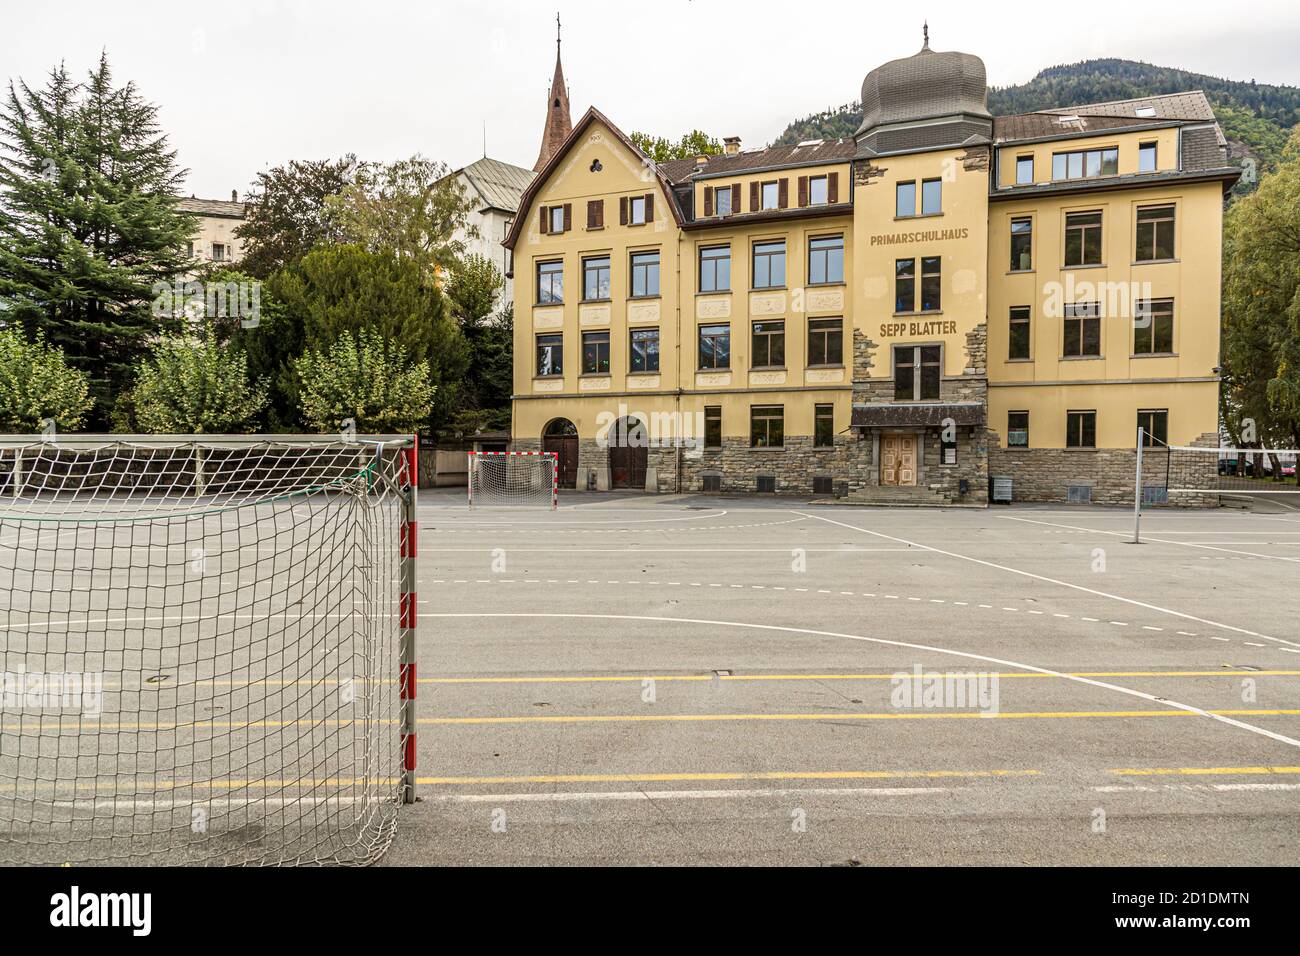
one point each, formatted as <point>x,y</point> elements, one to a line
<point>1045,474</point>
<point>794,466</point>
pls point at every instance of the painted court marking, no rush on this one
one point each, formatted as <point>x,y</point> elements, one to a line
<point>1151,698</point>
<point>1057,581</point>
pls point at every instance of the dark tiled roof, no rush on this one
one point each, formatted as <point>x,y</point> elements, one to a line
<point>822,151</point>
<point>1093,118</point>
<point>772,215</point>
<point>1203,148</point>
<point>212,207</point>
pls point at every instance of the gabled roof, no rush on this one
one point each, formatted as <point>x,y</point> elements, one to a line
<point>592,115</point>
<point>499,184</point>
<point>774,157</point>
<point>1191,106</point>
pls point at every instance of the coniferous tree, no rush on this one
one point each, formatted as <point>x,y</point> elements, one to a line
<point>88,221</point>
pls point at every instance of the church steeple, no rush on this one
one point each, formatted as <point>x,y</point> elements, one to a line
<point>558,123</point>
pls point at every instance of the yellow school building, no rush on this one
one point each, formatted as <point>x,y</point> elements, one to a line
<point>946,297</point>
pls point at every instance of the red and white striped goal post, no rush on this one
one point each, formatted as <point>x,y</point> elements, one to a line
<point>555,471</point>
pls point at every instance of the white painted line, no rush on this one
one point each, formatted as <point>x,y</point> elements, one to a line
<point>1147,537</point>
<point>1065,584</point>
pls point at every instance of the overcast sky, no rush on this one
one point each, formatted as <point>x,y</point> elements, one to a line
<point>248,85</point>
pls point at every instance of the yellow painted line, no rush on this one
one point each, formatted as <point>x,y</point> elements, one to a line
<point>697,678</point>
<point>875,676</point>
<point>90,725</point>
<point>1204,771</point>
<point>697,777</point>
<point>892,715</point>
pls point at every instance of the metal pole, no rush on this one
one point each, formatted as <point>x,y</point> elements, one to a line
<point>1137,490</point>
<point>407,679</point>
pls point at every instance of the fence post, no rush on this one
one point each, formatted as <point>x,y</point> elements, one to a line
<point>1137,489</point>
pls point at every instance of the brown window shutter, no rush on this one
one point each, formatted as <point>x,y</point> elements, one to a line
<point>753,197</point>
<point>735,198</point>
<point>649,207</point>
<point>622,210</point>
<point>833,187</point>
<point>594,209</point>
<point>600,213</point>
<point>568,216</point>
<point>803,190</point>
<point>708,200</point>
<point>783,194</point>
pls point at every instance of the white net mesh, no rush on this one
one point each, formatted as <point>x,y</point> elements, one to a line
<point>512,479</point>
<point>1192,475</point>
<point>200,651</point>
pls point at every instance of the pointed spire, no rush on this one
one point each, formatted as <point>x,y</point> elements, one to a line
<point>925,32</point>
<point>558,122</point>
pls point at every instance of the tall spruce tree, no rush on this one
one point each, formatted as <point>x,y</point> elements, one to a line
<point>88,221</point>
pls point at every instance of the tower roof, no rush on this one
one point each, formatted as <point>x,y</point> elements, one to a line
<point>558,122</point>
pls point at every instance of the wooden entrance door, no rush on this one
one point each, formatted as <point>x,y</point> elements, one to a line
<point>566,450</point>
<point>627,454</point>
<point>898,460</point>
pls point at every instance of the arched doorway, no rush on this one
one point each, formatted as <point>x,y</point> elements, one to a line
<point>561,436</point>
<point>628,444</point>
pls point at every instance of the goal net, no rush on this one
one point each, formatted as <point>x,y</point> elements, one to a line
<point>206,649</point>
<point>513,479</point>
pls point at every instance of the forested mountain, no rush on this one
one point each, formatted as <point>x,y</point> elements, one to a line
<point>1256,117</point>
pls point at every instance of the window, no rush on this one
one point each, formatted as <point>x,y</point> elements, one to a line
<point>645,274</point>
<point>931,197</point>
<point>722,201</point>
<point>1154,423</point>
<point>636,211</point>
<point>768,344</point>
<point>1018,340</point>
<point>769,265</point>
<point>1082,331</point>
<point>1080,429</point>
<point>930,284</point>
<point>766,426</point>
<point>771,193</point>
<point>1083,239</point>
<point>825,341</point>
<point>550,354</point>
<point>905,200</point>
<point>917,370</point>
<point>818,190</point>
<point>905,285</point>
<point>189,250</point>
<point>1024,170</point>
<point>1018,429</point>
<point>595,278</point>
<point>715,346</point>
<point>595,353</point>
<point>1022,245</point>
<point>1155,233</point>
<point>823,426</point>
<point>712,426</point>
<point>645,350</point>
<point>826,260</point>
<point>218,252</point>
<point>1146,157</point>
<point>715,269</point>
<point>1153,327</point>
<point>556,215</point>
<point>1085,164</point>
<point>550,282</point>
